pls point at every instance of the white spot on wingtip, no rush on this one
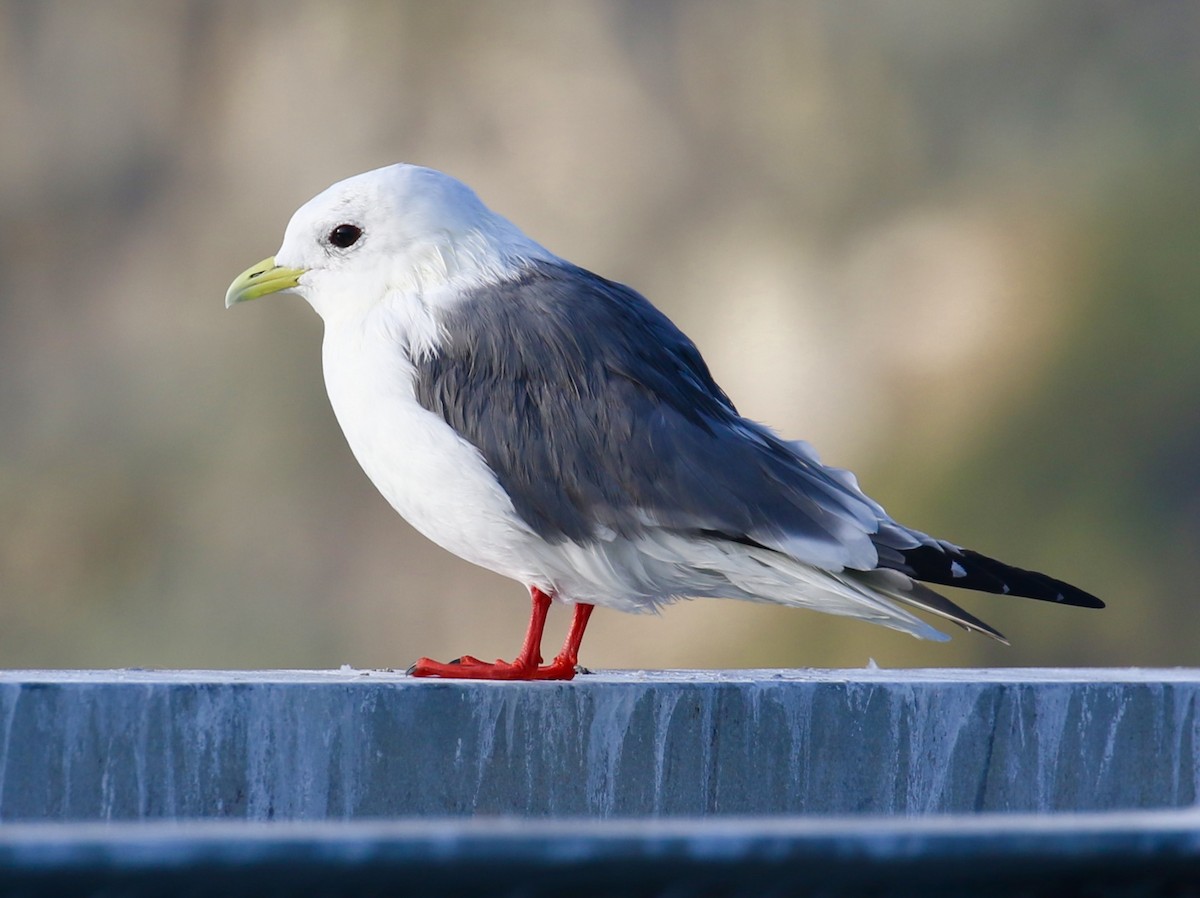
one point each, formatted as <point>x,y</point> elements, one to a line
<point>957,569</point>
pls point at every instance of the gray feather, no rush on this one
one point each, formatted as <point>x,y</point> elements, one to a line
<point>594,411</point>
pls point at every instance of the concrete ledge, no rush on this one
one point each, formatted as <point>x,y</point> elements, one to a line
<point>341,745</point>
<point>1146,853</point>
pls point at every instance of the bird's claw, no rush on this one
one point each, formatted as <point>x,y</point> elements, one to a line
<point>469,668</point>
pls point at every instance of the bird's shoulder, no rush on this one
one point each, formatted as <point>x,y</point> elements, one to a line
<point>559,329</point>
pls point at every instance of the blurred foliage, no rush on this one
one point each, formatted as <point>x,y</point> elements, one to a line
<point>1108,445</point>
<point>954,245</point>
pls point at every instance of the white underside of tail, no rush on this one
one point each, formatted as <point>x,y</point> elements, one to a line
<point>660,567</point>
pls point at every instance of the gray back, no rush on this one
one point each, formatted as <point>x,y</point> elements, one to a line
<point>592,408</point>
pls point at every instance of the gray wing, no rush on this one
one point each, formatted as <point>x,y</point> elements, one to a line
<point>595,412</point>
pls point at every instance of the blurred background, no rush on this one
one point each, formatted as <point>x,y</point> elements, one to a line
<point>955,245</point>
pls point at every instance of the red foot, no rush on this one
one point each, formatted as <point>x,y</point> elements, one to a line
<point>528,665</point>
<point>464,669</point>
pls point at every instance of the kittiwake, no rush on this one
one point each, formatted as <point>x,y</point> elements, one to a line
<point>553,426</point>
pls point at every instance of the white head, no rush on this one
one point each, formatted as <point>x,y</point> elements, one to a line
<point>400,233</point>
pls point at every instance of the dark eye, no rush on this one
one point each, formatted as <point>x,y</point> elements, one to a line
<point>345,235</point>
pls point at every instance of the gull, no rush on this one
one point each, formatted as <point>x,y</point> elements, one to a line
<point>553,426</point>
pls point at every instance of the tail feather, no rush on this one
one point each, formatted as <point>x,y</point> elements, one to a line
<point>903,589</point>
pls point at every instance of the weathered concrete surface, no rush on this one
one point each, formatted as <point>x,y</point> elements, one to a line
<point>1127,855</point>
<point>129,745</point>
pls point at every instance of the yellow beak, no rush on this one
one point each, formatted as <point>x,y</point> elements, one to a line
<point>261,279</point>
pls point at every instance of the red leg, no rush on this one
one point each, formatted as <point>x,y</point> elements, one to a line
<point>568,658</point>
<point>525,667</point>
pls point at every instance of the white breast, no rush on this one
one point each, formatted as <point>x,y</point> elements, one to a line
<point>435,479</point>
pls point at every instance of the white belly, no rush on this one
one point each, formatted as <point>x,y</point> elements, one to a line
<point>435,479</point>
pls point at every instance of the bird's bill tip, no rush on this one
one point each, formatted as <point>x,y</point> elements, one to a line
<point>260,279</point>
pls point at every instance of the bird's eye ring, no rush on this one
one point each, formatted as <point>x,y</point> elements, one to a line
<point>345,235</point>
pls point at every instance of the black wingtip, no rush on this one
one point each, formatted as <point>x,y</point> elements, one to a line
<point>971,570</point>
<point>1086,600</point>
